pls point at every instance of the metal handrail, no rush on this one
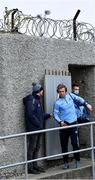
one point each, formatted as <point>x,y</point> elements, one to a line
<point>92,147</point>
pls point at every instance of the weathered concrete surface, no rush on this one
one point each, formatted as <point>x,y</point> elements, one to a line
<point>57,172</point>
<point>23,59</point>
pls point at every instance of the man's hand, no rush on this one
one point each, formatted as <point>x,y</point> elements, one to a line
<point>89,107</point>
<point>63,124</point>
<point>51,115</point>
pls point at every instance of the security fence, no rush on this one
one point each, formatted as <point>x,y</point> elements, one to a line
<point>16,21</point>
<point>25,162</point>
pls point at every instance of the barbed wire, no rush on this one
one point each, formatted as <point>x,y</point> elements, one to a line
<point>1,25</point>
<point>45,27</point>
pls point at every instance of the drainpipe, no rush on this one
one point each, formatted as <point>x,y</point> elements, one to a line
<point>74,25</point>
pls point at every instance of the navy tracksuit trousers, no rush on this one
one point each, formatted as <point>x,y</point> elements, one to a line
<point>64,138</point>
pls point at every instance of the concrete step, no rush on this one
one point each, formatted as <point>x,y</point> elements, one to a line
<point>84,172</point>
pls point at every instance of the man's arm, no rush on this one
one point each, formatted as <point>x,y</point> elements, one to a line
<point>31,113</point>
<point>89,106</point>
<point>81,101</point>
<point>56,115</point>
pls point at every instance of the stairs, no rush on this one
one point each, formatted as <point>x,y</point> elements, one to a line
<point>57,172</point>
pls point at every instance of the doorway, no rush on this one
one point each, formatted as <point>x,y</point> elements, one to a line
<point>84,76</point>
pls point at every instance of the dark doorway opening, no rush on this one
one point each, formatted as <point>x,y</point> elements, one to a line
<point>84,76</point>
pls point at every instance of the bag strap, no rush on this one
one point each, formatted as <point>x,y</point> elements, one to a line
<point>74,101</point>
<point>87,112</point>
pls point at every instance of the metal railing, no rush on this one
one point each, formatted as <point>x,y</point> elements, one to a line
<point>25,162</point>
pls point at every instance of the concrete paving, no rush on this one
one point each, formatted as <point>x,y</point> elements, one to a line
<point>84,172</point>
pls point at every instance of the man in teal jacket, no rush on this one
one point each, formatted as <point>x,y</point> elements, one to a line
<point>65,114</point>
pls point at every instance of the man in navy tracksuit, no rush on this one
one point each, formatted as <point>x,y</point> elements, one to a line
<point>34,118</point>
<point>65,114</point>
<point>83,113</point>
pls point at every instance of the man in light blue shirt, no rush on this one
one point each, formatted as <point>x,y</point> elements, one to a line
<point>65,114</point>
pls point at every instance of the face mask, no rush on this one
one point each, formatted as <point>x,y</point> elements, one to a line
<point>76,91</point>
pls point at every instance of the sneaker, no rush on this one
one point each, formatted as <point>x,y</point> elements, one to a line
<point>66,166</point>
<point>40,169</point>
<point>77,164</point>
<point>33,171</point>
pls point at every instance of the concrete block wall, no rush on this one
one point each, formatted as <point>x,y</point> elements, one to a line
<point>23,59</point>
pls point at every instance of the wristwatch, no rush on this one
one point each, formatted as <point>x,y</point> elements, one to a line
<point>86,103</point>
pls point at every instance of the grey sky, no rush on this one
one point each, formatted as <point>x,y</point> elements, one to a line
<point>60,9</point>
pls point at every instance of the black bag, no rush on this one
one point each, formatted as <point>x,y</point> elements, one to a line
<point>85,115</point>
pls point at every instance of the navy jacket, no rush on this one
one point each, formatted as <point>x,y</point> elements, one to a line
<point>34,115</point>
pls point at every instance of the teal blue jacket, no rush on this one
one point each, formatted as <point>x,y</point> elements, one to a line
<point>64,109</point>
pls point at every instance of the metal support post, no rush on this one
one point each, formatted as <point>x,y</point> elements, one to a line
<point>92,150</point>
<point>26,175</point>
<point>12,19</point>
<point>74,25</point>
